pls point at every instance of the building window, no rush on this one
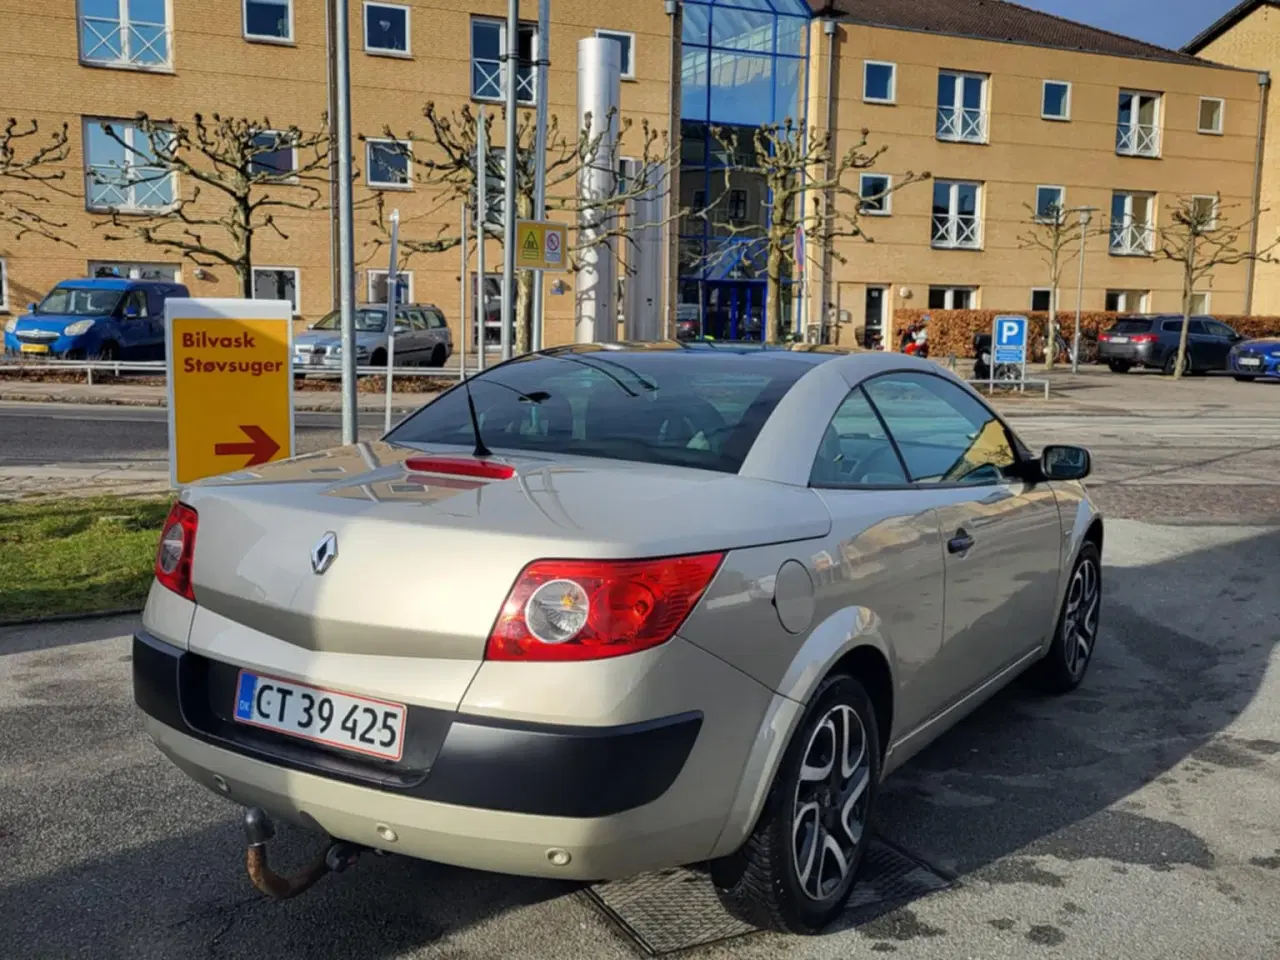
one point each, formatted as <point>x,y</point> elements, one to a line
<point>962,107</point>
<point>1211,110</point>
<point>387,164</point>
<point>125,33</point>
<point>168,272</point>
<point>274,155</point>
<point>628,44</point>
<point>1127,301</point>
<point>488,47</point>
<point>377,280</point>
<point>1041,299</point>
<point>1138,124</point>
<point>1055,101</point>
<point>1132,224</point>
<point>270,20</point>
<point>1050,204</point>
<point>121,169</point>
<point>4,286</point>
<point>875,193</point>
<point>276,283</point>
<point>879,82</point>
<point>952,298</point>
<point>738,205</point>
<point>1204,213</point>
<point>1199,304</point>
<point>956,224</point>
<point>386,29</point>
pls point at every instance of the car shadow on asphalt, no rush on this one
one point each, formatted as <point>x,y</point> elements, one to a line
<point>1024,777</point>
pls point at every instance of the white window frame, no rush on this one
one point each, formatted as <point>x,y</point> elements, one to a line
<point>126,127</point>
<point>368,165</point>
<point>133,268</point>
<point>893,81</point>
<point>960,239</point>
<point>1122,298</point>
<point>1213,199</point>
<point>1136,140</point>
<point>1208,304</point>
<point>127,39</point>
<point>627,74</point>
<point>4,285</point>
<point>371,273</point>
<point>292,175</point>
<point>407,52</point>
<point>949,295</point>
<point>261,38</point>
<point>297,282</point>
<point>1059,118</point>
<point>1132,234</point>
<point>1222,116</point>
<point>1031,303</point>
<point>1062,201</point>
<point>962,126</point>
<point>887,199</point>
<point>503,46</point>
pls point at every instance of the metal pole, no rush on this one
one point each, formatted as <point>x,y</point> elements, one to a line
<point>511,61</point>
<point>671,275</point>
<point>464,328</point>
<point>540,158</point>
<point>392,299</point>
<point>1086,215</point>
<point>346,228</point>
<point>482,231</point>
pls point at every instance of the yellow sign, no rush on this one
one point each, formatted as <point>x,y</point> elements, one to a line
<point>540,245</point>
<point>230,385</point>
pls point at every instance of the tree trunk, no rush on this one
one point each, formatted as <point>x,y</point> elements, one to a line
<point>524,311</point>
<point>773,297</point>
<point>1188,281</point>
<point>1051,328</point>
<point>244,273</point>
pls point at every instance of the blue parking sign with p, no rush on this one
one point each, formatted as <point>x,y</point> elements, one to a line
<point>1010,339</point>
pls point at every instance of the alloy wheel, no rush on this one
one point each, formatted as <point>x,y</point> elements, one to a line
<point>831,803</point>
<point>1080,619</point>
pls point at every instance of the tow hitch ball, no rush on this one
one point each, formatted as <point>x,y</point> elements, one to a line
<point>337,856</point>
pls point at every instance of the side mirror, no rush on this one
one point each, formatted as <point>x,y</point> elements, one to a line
<point>31,308</point>
<point>1064,462</point>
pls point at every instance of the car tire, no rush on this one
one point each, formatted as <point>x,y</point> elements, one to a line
<point>1244,378</point>
<point>109,352</point>
<point>438,356</point>
<point>379,358</point>
<point>1075,639</point>
<point>1119,366</point>
<point>792,883</point>
<point>1171,362</point>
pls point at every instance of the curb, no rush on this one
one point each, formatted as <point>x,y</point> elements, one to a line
<point>73,617</point>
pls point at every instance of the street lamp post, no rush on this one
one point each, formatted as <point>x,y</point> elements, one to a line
<point>1086,216</point>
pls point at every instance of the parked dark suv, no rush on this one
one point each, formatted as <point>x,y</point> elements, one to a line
<point>1153,342</point>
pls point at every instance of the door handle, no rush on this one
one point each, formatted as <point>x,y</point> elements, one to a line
<point>960,543</point>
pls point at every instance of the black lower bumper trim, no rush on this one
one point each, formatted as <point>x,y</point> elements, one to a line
<point>512,766</point>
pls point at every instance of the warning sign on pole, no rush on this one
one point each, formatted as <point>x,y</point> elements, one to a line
<point>540,245</point>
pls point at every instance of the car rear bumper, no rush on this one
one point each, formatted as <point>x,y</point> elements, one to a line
<point>495,794</point>
<point>1139,354</point>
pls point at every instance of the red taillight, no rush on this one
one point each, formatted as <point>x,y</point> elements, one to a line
<point>1144,338</point>
<point>592,609</point>
<point>1103,337</point>
<point>176,551</point>
<point>461,467</point>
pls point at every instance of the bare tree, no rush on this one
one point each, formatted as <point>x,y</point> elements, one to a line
<point>241,175</point>
<point>1057,239</point>
<point>443,160</point>
<point>1201,239</point>
<point>30,167</point>
<point>803,189</point>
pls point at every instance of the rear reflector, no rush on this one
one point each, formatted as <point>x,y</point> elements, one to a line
<point>177,551</point>
<point>461,467</point>
<point>593,609</point>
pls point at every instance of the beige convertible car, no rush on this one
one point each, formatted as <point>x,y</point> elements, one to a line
<point>617,607</point>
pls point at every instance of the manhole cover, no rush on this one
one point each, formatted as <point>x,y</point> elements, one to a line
<point>673,910</point>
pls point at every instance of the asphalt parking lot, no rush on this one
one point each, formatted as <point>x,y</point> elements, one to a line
<point>1137,818</point>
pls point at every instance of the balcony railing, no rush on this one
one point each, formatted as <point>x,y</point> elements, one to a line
<point>964,124</point>
<point>486,81</point>
<point>134,43</point>
<point>1142,140</point>
<point>960,233</point>
<point>1132,239</point>
<point>130,189</point>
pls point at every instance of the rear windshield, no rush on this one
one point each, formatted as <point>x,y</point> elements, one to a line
<point>1131,326</point>
<point>701,409</point>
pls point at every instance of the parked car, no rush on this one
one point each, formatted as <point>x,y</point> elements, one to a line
<point>102,318</point>
<point>1251,359</point>
<point>422,337</point>
<point>692,607</point>
<point>1152,341</point>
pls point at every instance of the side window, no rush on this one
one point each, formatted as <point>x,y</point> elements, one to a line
<point>1219,329</point>
<point>1173,326</point>
<point>415,319</point>
<point>1197,326</point>
<point>435,320</point>
<point>855,450</point>
<point>136,304</point>
<point>945,435</point>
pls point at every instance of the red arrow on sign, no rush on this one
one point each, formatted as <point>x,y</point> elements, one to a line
<point>260,448</point>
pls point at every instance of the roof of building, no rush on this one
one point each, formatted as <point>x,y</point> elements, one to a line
<point>1225,23</point>
<point>1000,21</point>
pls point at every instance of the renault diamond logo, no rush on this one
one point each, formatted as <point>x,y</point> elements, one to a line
<point>324,553</point>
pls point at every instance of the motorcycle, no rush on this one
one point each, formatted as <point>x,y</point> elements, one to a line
<point>1005,374</point>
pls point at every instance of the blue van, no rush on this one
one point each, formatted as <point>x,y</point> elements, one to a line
<point>105,318</point>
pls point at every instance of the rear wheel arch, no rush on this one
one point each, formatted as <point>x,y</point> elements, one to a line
<point>867,665</point>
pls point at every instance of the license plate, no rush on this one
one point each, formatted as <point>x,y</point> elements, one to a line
<point>1119,339</point>
<point>35,348</point>
<point>316,360</point>
<point>359,724</point>
<point>1249,362</point>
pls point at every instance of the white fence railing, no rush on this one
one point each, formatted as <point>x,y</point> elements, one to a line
<point>158,368</point>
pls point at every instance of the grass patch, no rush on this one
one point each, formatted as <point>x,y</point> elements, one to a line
<point>60,557</point>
